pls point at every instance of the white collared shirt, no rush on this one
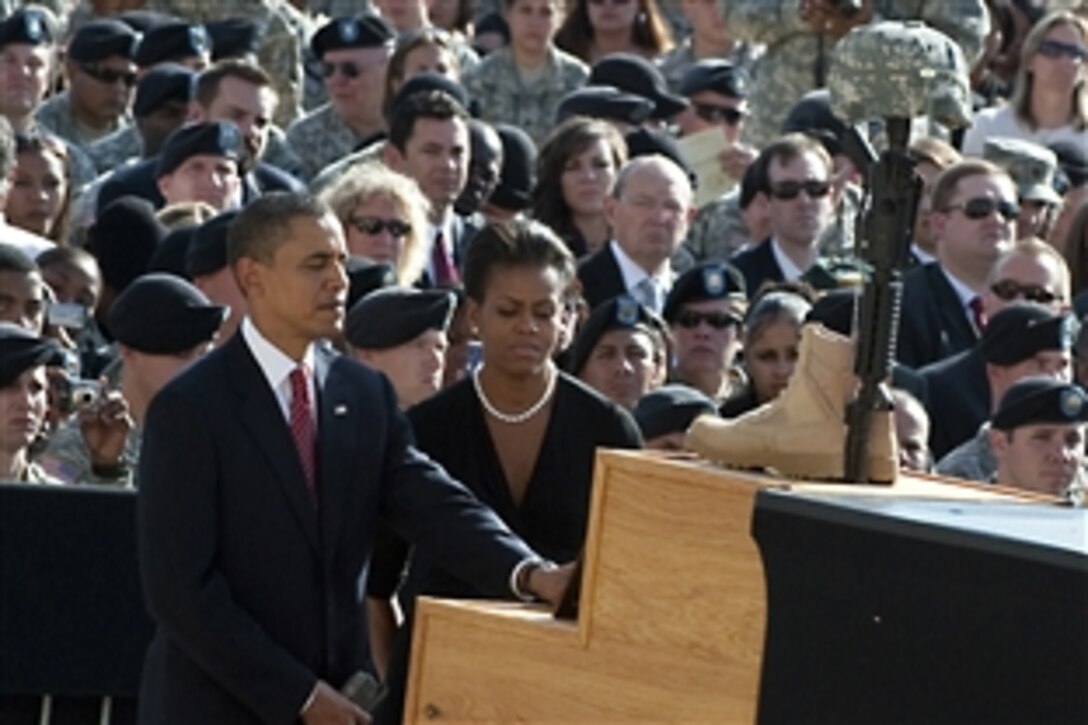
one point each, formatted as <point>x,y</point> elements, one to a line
<point>790,271</point>
<point>277,367</point>
<point>633,274</point>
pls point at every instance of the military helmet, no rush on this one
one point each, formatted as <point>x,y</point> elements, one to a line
<point>895,69</point>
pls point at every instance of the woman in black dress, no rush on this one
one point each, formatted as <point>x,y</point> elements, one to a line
<point>518,432</point>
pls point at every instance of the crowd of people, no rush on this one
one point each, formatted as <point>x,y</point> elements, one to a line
<point>506,205</point>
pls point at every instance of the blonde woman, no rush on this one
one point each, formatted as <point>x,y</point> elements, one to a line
<point>384,216</point>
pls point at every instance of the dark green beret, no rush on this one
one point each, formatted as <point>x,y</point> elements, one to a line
<point>21,350</point>
<point>207,253</point>
<point>1037,400</point>
<point>30,26</point>
<point>161,314</point>
<point>706,281</point>
<point>214,138</point>
<point>619,313</point>
<point>395,315</point>
<point>366,30</point>
<point>670,409</point>
<point>173,41</point>
<point>1022,330</point>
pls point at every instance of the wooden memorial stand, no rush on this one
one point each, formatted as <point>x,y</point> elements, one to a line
<point>671,617</point>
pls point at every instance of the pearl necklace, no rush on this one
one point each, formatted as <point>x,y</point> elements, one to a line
<point>512,418</point>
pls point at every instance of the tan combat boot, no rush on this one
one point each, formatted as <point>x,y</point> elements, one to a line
<point>801,433</point>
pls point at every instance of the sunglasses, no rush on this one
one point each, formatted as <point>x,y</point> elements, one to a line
<point>718,114</point>
<point>374,225</point>
<point>1009,290</point>
<point>718,320</point>
<point>1057,49</point>
<point>792,189</point>
<point>349,69</point>
<point>983,207</point>
<point>108,76</point>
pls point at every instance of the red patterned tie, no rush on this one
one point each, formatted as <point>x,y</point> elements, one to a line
<point>302,426</point>
<point>978,313</point>
<point>445,273</point>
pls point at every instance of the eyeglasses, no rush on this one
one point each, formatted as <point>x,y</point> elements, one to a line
<point>1057,49</point>
<point>983,206</point>
<point>791,189</point>
<point>348,68</point>
<point>718,320</point>
<point>1009,290</point>
<point>374,225</point>
<point>718,114</point>
<point>109,76</point>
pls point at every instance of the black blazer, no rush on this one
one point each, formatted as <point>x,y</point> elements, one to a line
<point>600,276</point>
<point>959,399</point>
<point>932,323</point>
<point>252,589</point>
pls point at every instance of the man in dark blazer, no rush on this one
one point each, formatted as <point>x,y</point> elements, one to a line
<point>649,212</point>
<point>264,472</point>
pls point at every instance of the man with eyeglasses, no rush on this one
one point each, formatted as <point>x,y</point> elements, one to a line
<point>973,220</point>
<point>102,77</point>
<point>354,53</point>
<point>1023,340</point>
<point>959,395</point>
<point>801,199</point>
<point>705,311</point>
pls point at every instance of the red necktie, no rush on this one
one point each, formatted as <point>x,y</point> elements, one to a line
<point>445,273</point>
<point>302,426</point>
<point>978,313</point>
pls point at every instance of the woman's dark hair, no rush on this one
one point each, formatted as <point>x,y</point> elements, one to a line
<point>650,32</point>
<point>47,144</point>
<point>516,243</point>
<point>567,140</point>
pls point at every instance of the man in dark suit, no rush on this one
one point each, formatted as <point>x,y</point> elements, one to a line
<point>264,472</point>
<point>973,219</point>
<point>797,170</point>
<point>649,211</point>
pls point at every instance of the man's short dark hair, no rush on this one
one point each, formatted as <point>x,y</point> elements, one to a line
<point>262,226</point>
<point>207,84</point>
<point>426,104</point>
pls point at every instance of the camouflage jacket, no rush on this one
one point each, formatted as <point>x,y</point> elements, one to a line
<point>502,97</point>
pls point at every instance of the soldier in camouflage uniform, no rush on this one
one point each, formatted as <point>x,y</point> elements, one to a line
<point>800,40</point>
<point>710,38</point>
<point>355,52</point>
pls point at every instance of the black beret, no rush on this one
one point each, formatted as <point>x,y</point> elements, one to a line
<point>430,81</point>
<point>634,74</point>
<point>21,350</point>
<point>30,26</point>
<point>101,39</point>
<point>650,141</point>
<point>171,255</point>
<point>1040,400</point>
<point>235,37</point>
<point>716,75</point>
<point>163,83</point>
<point>1022,330</point>
<point>214,138</point>
<point>207,253</point>
<point>670,409</point>
<point>1073,162</point>
<point>123,239</point>
<point>366,30</point>
<point>619,313</point>
<point>705,281</point>
<point>605,102</point>
<point>395,315</point>
<point>518,176</point>
<point>174,41</point>
<point>812,116</point>
<point>161,314</point>
<point>365,276</point>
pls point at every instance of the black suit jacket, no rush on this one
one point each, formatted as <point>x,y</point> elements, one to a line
<point>959,399</point>
<point>932,323</point>
<point>600,276</point>
<point>254,590</point>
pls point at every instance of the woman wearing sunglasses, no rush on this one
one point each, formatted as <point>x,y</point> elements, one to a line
<point>596,28</point>
<point>1050,95</point>
<point>384,216</point>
